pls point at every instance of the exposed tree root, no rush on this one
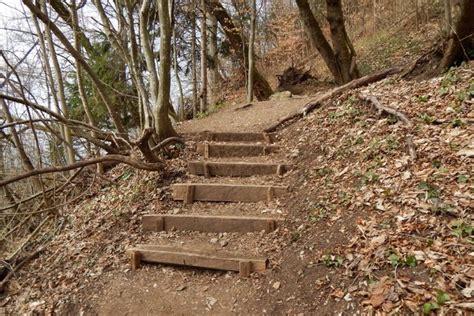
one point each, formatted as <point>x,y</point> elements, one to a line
<point>170,140</point>
<point>402,117</point>
<point>375,102</point>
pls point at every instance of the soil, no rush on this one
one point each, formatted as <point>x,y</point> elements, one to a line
<point>367,229</point>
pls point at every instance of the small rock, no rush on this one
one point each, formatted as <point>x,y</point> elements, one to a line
<point>223,243</point>
<point>211,301</point>
<point>181,288</point>
<point>176,210</point>
<point>276,285</point>
<point>214,240</point>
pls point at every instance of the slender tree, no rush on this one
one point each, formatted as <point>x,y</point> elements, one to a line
<point>251,56</point>
<point>203,107</point>
<point>163,125</point>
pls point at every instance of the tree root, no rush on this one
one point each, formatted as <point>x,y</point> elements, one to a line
<point>375,102</point>
<point>402,117</point>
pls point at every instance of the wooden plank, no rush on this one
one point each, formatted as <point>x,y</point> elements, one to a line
<point>217,260</point>
<point>236,169</point>
<point>234,150</point>
<point>239,137</point>
<point>228,192</point>
<point>209,223</point>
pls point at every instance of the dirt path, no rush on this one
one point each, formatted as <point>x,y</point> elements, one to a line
<point>250,119</point>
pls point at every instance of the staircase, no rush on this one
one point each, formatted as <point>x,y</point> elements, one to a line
<point>235,149</point>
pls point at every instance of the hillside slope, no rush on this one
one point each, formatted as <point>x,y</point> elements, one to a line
<point>369,226</point>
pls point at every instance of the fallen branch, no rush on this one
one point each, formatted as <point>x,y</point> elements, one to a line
<point>375,102</point>
<point>18,267</point>
<point>116,158</point>
<point>244,106</point>
<point>310,106</point>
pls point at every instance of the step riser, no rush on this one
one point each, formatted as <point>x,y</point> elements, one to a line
<point>226,193</point>
<point>209,224</point>
<point>235,169</point>
<point>239,137</point>
<point>216,261</point>
<point>220,150</point>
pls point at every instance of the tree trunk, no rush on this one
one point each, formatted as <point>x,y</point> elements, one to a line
<point>262,89</point>
<point>340,59</point>
<point>163,126</point>
<point>460,45</point>
<point>66,132</point>
<point>448,21</point>
<point>181,111</point>
<point>317,39</point>
<point>193,58</point>
<point>203,107</point>
<point>342,46</point>
<point>27,164</point>
<point>213,71</point>
<point>251,52</point>
<point>80,81</point>
<point>101,88</point>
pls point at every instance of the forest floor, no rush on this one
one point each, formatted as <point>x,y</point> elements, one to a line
<point>369,226</point>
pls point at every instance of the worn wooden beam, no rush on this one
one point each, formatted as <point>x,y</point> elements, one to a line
<point>228,192</point>
<point>234,150</point>
<point>238,137</point>
<point>236,169</point>
<point>209,223</point>
<point>217,260</point>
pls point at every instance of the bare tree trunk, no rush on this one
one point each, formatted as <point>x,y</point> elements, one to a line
<point>448,21</point>
<point>342,46</point>
<point>79,79</point>
<point>340,59</point>
<point>262,89</point>
<point>163,125</point>
<point>317,39</point>
<point>6,190</point>
<point>27,164</point>
<point>135,66</point>
<point>181,113</point>
<point>101,88</point>
<point>251,51</point>
<point>193,58</point>
<point>70,157</point>
<point>460,45</point>
<point>149,56</point>
<point>203,107</point>
<point>212,64</point>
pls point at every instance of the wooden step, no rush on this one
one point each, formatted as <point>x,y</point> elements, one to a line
<point>209,224</point>
<point>234,150</point>
<point>190,192</point>
<point>235,169</point>
<point>238,137</point>
<point>217,260</point>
